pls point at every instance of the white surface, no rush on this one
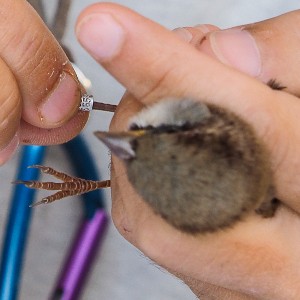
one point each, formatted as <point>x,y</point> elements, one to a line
<point>121,272</point>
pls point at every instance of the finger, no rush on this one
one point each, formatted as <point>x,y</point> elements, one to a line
<point>266,50</point>
<point>47,82</point>
<point>153,63</point>
<point>40,79</point>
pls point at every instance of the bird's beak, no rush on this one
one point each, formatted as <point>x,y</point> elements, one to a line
<point>121,144</point>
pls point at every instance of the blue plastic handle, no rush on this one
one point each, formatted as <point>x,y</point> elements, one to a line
<point>18,223</point>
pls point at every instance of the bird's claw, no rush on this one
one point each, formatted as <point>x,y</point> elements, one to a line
<point>69,187</point>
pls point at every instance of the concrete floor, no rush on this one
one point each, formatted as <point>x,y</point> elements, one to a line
<point>121,272</point>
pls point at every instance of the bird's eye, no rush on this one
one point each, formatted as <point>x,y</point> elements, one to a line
<point>134,126</point>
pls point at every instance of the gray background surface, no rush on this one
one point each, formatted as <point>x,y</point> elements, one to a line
<point>121,271</point>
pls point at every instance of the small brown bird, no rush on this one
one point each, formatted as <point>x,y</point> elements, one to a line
<point>199,166</point>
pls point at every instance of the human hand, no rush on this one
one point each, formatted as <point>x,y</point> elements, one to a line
<point>39,92</point>
<point>257,258</point>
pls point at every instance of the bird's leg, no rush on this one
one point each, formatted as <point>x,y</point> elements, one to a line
<point>69,187</point>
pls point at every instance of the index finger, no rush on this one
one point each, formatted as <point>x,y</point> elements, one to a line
<point>47,82</point>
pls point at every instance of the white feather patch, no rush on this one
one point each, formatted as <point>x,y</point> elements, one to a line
<point>171,111</point>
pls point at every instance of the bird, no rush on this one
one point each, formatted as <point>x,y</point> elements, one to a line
<point>199,166</point>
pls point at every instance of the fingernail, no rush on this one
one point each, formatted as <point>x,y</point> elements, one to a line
<point>62,102</point>
<point>184,34</point>
<point>9,150</point>
<point>101,35</point>
<point>237,48</point>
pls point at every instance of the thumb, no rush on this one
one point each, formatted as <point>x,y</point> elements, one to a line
<point>265,50</point>
<point>151,62</point>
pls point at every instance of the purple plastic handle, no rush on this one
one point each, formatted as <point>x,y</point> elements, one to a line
<point>87,240</point>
